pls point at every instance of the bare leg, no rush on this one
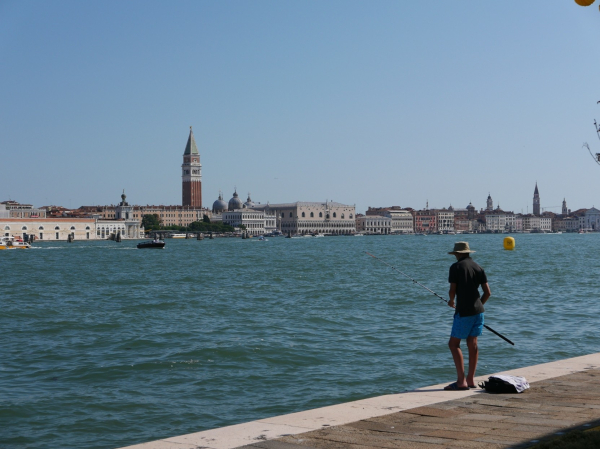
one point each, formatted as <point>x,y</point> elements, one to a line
<point>454,345</point>
<point>473,356</point>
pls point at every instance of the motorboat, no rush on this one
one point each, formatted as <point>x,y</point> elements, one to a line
<point>178,236</point>
<point>358,234</point>
<point>262,238</point>
<point>151,244</point>
<point>319,235</point>
<point>8,242</point>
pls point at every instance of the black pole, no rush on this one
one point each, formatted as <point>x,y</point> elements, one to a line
<point>431,291</point>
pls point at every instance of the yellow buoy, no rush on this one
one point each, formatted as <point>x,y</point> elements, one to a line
<point>584,2</point>
<point>509,243</point>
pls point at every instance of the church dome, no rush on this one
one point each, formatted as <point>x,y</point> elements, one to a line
<point>219,205</point>
<point>235,202</point>
<point>249,202</point>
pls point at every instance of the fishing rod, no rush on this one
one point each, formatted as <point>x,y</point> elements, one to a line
<point>434,293</point>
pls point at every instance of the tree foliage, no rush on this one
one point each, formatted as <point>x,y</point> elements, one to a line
<point>151,221</point>
<point>201,226</point>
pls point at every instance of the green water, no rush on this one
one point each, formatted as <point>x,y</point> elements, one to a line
<point>103,345</point>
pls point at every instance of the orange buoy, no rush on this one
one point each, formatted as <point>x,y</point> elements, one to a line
<point>584,2</point>
<point>509,243</point>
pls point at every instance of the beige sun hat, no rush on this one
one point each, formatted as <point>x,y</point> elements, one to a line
<point>461,248</point>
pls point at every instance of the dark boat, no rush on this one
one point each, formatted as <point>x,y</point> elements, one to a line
<point>151,244</point>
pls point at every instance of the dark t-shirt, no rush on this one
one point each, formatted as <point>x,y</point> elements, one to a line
<point>467,276</point>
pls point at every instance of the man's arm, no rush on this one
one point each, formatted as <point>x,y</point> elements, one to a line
<point>486,292</point>
<point>452,294</point>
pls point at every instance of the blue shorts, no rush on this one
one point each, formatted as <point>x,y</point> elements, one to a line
<point>469,326</point>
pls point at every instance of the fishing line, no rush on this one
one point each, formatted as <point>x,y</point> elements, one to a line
<point>434,293</point>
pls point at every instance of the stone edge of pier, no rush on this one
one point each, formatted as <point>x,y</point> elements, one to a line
<point>295,423</point>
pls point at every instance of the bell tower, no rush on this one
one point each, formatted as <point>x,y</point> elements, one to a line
<point>536,201</point>
<point>191,175</point>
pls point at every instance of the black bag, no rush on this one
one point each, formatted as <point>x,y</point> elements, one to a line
<point>495,385</point>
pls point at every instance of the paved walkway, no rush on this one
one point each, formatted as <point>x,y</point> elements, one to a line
<point>563,395</point>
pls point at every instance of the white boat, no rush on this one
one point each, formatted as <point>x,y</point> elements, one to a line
<point>358,234</point>
<point>318,235</point>
<point>177,236</point>
<point>262,238</point>
<point>8,242</point>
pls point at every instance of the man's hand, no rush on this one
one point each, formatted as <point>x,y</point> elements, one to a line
<point>452,294</point>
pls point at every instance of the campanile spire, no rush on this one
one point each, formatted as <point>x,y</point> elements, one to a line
<point>536,201</point>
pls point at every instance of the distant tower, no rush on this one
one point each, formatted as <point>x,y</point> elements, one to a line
<point>490,203</point>
<point>124,211</point>
<point>536,201</point>
<point>191,175</point>
<point>565,211</point>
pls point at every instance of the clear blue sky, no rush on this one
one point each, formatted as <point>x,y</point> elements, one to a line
<point>367,103</point>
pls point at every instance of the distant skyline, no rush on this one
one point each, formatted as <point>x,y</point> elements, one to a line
<point>373,104</point>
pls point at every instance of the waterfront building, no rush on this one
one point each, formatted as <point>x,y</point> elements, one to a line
<point>256,222</point>
<point>381,211</point>
<point>17,210</point>
<point>50,228</point>
<point>464,219</point>
<point>536,201</point>
<point>559,224</point>
<point>571,224</point>
<point>500,221</point>
<point>402,221</point>
<point>444,219</point>
<point>425,221</point>
<point>129,227</point>
<point>168,215</point>
<point>518,223</point>
<point>536,224</point>
<point>191,175</point>
<point>374,224</point>
<point>591,220</point>
<point>4,212</point>
<point>546,224</point>
<point>312,217</point>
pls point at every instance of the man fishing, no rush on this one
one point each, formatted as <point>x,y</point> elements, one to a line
<point>465,278</point>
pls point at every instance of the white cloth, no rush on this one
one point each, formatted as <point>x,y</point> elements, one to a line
<point>520,383</point>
